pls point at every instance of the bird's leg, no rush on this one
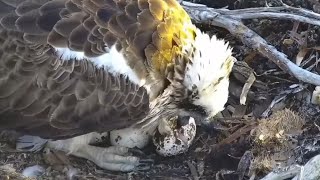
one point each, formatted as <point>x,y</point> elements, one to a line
<point>114,158</point>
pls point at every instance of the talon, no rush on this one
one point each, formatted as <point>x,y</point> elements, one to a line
<point>136,151</point>
<point>143,166</point>
<point>149,161</point>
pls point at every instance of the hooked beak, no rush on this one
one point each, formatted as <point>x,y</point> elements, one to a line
<point>199,117</point>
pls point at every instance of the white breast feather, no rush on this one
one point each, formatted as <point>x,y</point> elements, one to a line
<point>114,61</point>
<point>205,70</point>
<point>208,58</point>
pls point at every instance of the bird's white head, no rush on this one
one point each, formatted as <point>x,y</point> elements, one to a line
<point>207,73</point>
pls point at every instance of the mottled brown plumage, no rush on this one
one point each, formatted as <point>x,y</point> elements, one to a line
<point>150,32</point>
<point>42,95</point>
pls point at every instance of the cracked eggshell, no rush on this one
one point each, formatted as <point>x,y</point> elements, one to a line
<point>129,137</point>
<point>178,141</point>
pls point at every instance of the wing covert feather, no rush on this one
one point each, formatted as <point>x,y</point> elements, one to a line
<point>42,95</point>
<point>148,32</point>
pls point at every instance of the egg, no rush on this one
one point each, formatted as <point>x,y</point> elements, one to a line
<point>129,137</point>
<point>178,139</point>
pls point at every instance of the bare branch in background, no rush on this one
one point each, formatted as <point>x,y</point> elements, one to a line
<point>231,20</point>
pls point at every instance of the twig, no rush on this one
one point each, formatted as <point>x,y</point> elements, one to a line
<point>282,12</point>
<point>295,88</point>
<point>237,134</point>
<point>193,170</point>
<point>246,89</point>
<point>244,164</point>
<point>286,173</point>
<point>231,20</point>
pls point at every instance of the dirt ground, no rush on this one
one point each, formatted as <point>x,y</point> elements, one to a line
<point>218,147</point>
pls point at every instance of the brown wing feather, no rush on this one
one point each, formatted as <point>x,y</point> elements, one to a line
<point>42,95</point>
<point>150,32</point>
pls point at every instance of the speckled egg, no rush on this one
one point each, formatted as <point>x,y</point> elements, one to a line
<point>129,137</point>
<point>179,139</point>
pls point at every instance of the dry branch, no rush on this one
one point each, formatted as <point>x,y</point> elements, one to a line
<point>231,20</point>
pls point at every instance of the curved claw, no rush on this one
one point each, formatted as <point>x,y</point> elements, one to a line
<point>113,158</point>
<point>144,163</point>
<point>30,143</point>
<point>143,167</point>
<point>136,152</point>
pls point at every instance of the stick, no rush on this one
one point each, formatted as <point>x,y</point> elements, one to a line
<point>231,20</point>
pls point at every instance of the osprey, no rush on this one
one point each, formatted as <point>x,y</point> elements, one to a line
<point>79,68</point>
